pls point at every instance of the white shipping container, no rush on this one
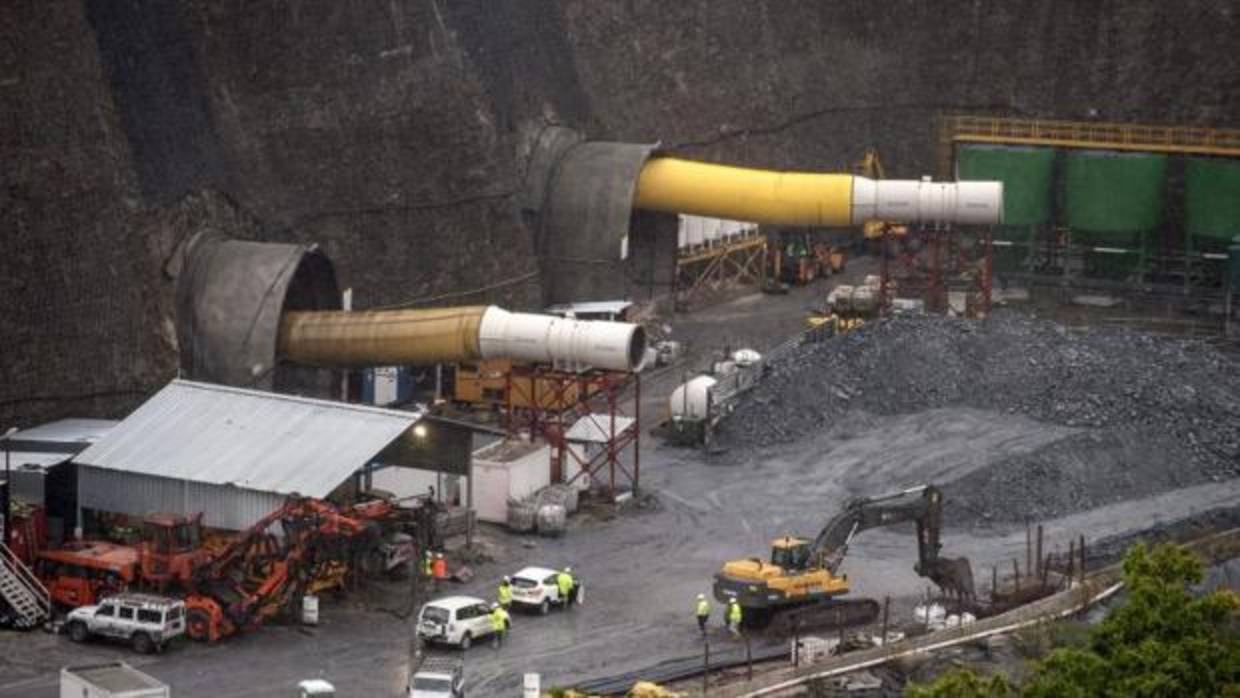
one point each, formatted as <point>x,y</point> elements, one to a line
<point>109,680</point>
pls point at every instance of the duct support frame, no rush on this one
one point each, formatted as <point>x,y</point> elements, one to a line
<point>733,262</point>
<point>931,262</point>
<point>584,395</point>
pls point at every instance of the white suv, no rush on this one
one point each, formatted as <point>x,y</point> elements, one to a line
<point>146,621</point>
<point>438,677</point>
<point>455,620</point>
<point>535,587</point>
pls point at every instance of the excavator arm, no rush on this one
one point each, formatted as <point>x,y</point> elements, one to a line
<point>921,505</point>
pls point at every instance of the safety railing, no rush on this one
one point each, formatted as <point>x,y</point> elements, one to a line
<point>1188,140</point>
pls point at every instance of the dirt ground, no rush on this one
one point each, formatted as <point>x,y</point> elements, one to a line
<point>643,569</point>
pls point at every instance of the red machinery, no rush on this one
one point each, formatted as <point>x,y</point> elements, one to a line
<point>257,575</point>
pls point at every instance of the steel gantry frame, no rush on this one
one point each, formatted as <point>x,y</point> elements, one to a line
<point>556,400</point>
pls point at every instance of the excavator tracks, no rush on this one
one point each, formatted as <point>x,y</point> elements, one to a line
<point>813,617</point>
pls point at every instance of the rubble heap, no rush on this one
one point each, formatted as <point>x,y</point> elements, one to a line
<point>1153,413</point>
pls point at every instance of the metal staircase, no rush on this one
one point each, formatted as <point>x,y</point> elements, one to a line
<point>22,591</point>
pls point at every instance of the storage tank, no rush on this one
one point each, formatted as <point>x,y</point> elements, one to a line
<point>1026,173</point>
<point>1212,203</point>
<point>692,399</point>
<point>1114,201</point>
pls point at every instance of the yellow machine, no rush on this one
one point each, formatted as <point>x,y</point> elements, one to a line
<point>835,324</point>
<point>804,574</point>
<point>871,166</point>
<point>487,383</point>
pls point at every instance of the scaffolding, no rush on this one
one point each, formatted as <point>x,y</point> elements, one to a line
<point>718,265</point>
<point>584,418</point>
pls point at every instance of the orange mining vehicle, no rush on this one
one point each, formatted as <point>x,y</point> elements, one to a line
<point>171,550</point>
<point>81,573</point>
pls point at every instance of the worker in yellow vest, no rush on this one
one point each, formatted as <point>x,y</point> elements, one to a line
<point>504,596</point>
<point>500,623</point>
<point>734,616</point>
<point>564,584</point>
<point>703,612</point>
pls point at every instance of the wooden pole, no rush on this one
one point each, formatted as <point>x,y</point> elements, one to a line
<point>1082,549</point>
<point>886,614</point>
<point>796,641</point>
<point>1071,569</point>
<point>1040,572</point>
<point>705,663</point>
<point>1028,547</point>
<point>748,660</point>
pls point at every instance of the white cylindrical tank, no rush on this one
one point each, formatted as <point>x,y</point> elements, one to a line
<point>564,342</point>
<point>746,357</point>
<point>923,201</point>
<point>692,399</point>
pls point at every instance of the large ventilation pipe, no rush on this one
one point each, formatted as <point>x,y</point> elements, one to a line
<point>443,335</point>
<point>672,185</point>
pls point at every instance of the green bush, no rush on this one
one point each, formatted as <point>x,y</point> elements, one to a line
<point>1162,642</point>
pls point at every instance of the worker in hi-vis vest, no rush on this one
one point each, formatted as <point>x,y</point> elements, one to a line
<point>504,596</point>
<point>734,616</point>
<point>703,612</point>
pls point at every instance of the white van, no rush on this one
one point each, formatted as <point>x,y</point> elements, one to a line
<point>455,620</point>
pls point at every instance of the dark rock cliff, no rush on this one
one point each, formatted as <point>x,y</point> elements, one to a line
<point>394,133</point>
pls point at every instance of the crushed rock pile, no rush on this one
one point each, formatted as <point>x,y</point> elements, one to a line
<point>1154,413</point>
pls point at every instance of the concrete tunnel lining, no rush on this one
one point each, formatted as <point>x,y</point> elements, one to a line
<point>231,295</point>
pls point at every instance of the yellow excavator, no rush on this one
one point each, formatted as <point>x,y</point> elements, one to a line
<point>802,577</point>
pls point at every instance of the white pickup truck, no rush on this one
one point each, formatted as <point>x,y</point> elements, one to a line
<point>146,621</point>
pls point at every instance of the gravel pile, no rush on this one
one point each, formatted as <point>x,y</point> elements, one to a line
<point>1155,413</point>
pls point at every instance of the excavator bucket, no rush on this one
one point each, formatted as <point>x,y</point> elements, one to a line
<point>952,575</point>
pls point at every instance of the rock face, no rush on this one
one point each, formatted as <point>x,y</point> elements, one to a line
<point>394,134</point>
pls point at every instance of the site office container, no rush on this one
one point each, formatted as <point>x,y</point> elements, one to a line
<point>110,680</point>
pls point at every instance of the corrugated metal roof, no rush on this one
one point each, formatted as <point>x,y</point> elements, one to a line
<point>247,438</point>
<point>63,432</point>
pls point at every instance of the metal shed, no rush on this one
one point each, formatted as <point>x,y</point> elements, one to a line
<point>233,454</point>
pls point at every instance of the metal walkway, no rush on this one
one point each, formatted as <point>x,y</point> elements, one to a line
<point>1183,140</point>
<point>22,591</point>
